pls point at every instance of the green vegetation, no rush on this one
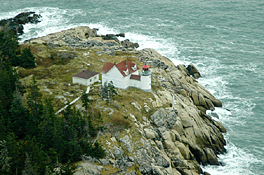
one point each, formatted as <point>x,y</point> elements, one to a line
<point>33,140</point>
<point>10,51</point>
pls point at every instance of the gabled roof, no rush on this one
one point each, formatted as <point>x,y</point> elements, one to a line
<point>125,67</point>
<point>135,77</point>
<point>86,74</point>
<point>107,67</point>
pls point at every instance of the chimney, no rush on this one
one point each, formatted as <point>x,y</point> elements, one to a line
<point>83,69</point>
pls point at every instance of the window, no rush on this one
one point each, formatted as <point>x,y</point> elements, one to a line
<point>90,80</point>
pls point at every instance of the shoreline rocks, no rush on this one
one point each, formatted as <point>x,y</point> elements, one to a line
<point>171,140</point>
<point>16,24</point>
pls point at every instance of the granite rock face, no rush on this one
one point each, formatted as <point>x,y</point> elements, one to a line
<point>170,140</point>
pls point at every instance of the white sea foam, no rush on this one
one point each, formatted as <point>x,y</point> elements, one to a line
<point>236,162</point>
<point>235,109</point>
<point>53,20</point>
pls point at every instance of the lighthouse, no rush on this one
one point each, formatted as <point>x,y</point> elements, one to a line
<point>146,78</point>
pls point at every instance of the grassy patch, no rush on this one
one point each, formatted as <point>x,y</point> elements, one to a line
<point>120,121</point>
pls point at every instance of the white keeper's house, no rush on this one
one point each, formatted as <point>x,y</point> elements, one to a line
<point>126,74</point>
<point>85,77</point>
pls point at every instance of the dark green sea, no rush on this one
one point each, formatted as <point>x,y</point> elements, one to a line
<point>224,39</point>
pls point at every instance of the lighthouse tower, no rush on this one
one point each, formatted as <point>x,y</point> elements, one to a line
<point>146,78</point>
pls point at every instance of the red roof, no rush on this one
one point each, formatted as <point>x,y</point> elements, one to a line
<point>145,66</point>
<point>86,74</point>
<point>107,67</point>
<point>122,66</point>
<point>135,77</point>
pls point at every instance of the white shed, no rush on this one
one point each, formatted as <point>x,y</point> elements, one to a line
<point>85,77</point>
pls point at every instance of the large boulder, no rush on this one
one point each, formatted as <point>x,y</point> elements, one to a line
<point>128,44</point>
<point>27,17</point>
<point>193,71</point>
<point>16,24</point>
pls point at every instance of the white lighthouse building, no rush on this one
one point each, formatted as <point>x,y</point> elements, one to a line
<point>146,78</point>
<point>126,74</point>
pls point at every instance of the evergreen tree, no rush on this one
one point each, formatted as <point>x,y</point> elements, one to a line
<point>8,82</point>
<point>29,168</point>
<point>19,117</point>
<point>5,160</point>
<point>12,147</point>
<point>112,92</point>
<point>3,128</point>
<point>35,106</point>
<point>47,126</point>
<point>92,129</point>
<point>108,91</point>
<point>85,103</point>
<point>26,59</point>
<point>98,151</point>
<point>9,47</point>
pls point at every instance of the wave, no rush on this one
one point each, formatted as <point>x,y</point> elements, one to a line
<point>235,162</point>
<point>214,77</point>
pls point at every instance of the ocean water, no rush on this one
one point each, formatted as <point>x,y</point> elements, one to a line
<point>224,39</point>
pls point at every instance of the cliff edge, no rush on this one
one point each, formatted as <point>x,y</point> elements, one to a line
<point>166,131</point>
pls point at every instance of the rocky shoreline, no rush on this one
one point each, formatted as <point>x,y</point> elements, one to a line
<point>172,140</point>
<point>16,24</point>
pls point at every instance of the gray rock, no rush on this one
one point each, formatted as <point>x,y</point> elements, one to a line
<point>145,169</point>
<point>128,44</point>
<point>131,173</point>
<point>211,157</point>
<point>131,158</point>
<point>88,168</point>
<point>150,134</point>
<point>16,24</point>
<point>156,170</point>
<point>118,151</point>
<point>193,71</point>
<point>127,143</point>
<point>104,161</point>
<point>159,117</point>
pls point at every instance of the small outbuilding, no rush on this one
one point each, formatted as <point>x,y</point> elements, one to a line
<point>85,77</point>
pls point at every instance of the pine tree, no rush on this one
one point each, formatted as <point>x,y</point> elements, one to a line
<point>8,82</point>
<point>35,105</point>
<point>13,152</point>
<point>5,160</point>
<point>85,103</point>
<point>29,168</point>
<point>3,128</point>
<point>19,116</point>
<point>26,59</point>
<point>9,47</point>
<point>112,92</point>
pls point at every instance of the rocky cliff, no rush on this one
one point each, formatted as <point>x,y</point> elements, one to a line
<point>16,24</point>
<point>168,130</point>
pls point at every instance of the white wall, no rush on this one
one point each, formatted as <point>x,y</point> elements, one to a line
<point>135,83</point>
<point>85,82</point>
<point>116,77</point>
<point>79,81</point>
<point>146,83</point>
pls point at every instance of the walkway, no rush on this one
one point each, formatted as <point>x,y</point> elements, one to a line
<point>87,91</point>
